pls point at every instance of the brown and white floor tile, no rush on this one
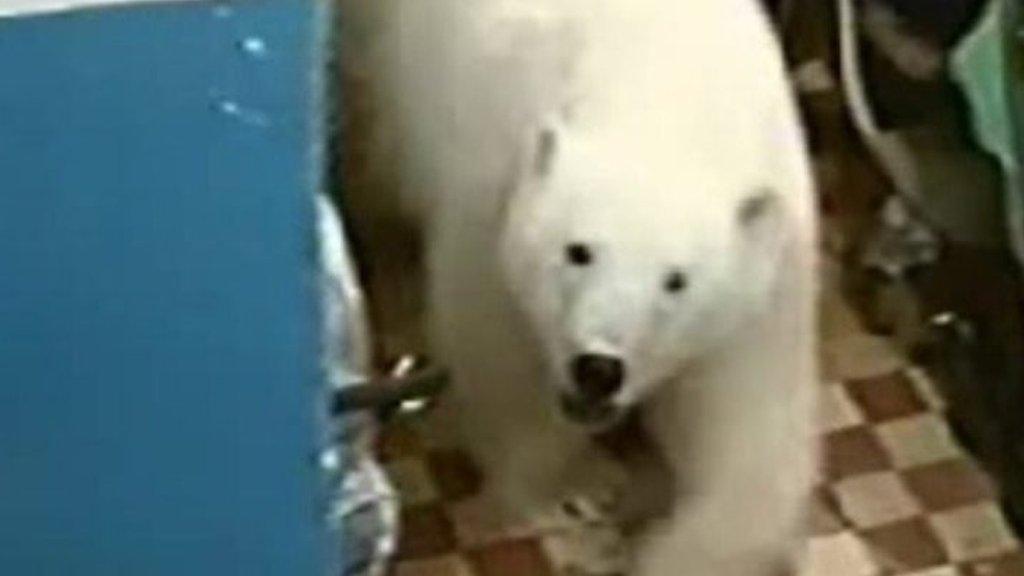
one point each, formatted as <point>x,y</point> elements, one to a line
<point>898,495</point>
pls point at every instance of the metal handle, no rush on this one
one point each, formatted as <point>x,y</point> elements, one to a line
<point>390,391</point>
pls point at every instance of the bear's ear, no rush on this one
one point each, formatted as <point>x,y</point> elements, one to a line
<point>545,151</point>
<point>760,213</point>
<point>544,146</point>
<point>534,161</point>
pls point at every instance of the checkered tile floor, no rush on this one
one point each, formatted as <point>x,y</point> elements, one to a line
<point>897,495</point>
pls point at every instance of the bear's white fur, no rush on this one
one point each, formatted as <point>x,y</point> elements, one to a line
<point>662,135</point>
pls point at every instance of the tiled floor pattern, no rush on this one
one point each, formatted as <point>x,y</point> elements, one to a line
<point>897,495</point>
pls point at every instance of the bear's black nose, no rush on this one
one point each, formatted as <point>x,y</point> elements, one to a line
<point>597,376</point>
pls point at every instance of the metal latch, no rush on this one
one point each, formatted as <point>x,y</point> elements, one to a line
<point>410,387</point>
<point>362,508</point>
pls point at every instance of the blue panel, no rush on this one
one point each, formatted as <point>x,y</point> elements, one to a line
<point>157,335</point>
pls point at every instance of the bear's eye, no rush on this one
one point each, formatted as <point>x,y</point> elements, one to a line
<point>578,254</point>
<point>676,282</point>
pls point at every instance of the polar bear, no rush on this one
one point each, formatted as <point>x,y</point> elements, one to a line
<point>620,221</point>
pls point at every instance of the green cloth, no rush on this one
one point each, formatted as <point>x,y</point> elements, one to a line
<point>988,67</point>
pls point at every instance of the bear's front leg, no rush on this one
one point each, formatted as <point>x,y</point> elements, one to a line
<point>739,436</point>
<point>718,538</point>
<point>538,472</point>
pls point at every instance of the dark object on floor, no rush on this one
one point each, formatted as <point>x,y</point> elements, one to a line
<point>961,318</point>
<point>972,299</point>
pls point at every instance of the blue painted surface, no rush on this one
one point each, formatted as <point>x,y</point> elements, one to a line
<point>157,335</point>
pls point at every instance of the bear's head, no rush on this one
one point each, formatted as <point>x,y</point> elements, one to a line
<point>629,265</point>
